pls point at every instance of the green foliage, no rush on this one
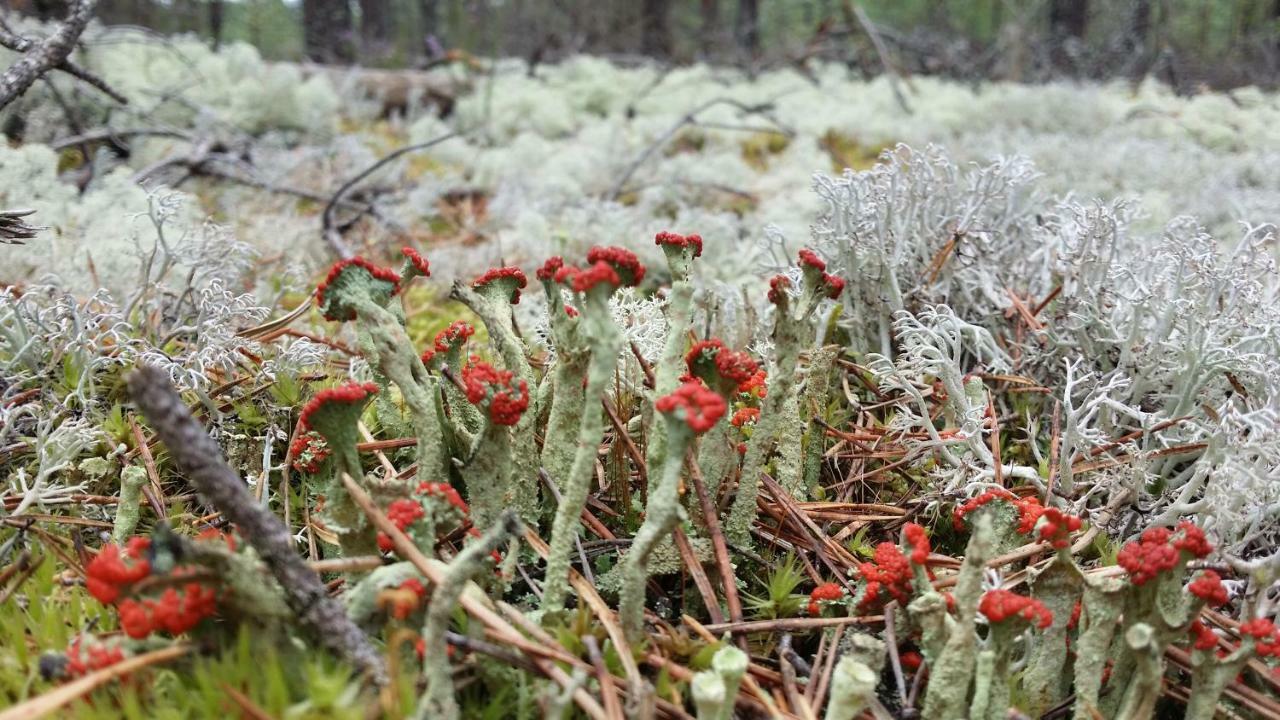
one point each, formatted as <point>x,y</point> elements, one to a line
<point>779,598</point>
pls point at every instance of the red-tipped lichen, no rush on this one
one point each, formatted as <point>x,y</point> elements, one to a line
<point>511,277</point>
<point>623,261</point>
<point>701,407</point>
<point>670,239</point>
<point>1001,605</point>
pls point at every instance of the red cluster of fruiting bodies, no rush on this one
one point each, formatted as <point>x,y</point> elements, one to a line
<point>507,398</point>
<point>826,592</point>
<point>378,273</point>
<point>1055,530</point>
<point>702,407</point>
<point>351,393</point>
<point>745,416</point>
<point>175,612</point>
<point>82,659</point>
<point>612,266</point>
<point>514,274</point>
<point>309,451</point>
<point>404,512</point>
<point>417,260</point>
<point>113,573</point>
<point>888,575</point>
<point>756,385</point>
<point>453,336</point>
<point>735,366</point>
<point>1159,549</point>
<point>670,239</point>
<point>1001,605</point>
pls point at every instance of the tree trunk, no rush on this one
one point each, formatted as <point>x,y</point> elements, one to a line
<point>429,30</point>
<point>655,32</point>
<point>710,16</point>
<point>1068,22</point>
<point>748,27</point>
<point>215,22</point>
<point>1069,18</point>
<point>375,28</point>
<point>326,26</point>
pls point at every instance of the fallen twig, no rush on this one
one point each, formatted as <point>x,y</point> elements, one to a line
<point>332,235</point>
<point>199,457</point>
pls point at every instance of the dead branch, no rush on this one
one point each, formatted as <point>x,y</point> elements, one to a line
<point>51,53</point>
<point>691,118</point>
<point>13,229</point>
<point>853,12</point>
<point>332,235</point>
<point>199,457</point>
<point>113,135</point>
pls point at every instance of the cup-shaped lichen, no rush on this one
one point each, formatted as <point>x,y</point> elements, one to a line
<point>691,410</point>
<point>592,286</point>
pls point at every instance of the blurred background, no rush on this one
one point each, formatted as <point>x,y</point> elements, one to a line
<point>1189,44</point>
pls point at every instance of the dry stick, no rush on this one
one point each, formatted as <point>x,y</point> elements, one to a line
<point>501,629</point>
<point>199,457</point>
<point>612,705</point>
<point>718,544</point>
<point>891,640</point>
<point>853,11</point>
<point>112,134</point>
<point>1055,437</point>
<point>688,119</point>
<point>52,52</point>
<point>42,705</point>
<point>330,231</point>
<point>797,701</point>
<point>249,709</point>
<point>820,695</point>
<point>24,573</point>
<point>700,580</point>
<point>155,492</point>
<point>791,624</point>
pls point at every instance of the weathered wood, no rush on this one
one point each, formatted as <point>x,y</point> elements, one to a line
<point>52,52</point>
<point>200,458</point>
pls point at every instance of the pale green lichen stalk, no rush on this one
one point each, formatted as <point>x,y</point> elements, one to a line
<point>853,689</point>
<point>438,701</point>
<point>132,480</point>
<point>715,690</point>
<point>490,297</point>
<point>953,672</point>
<point>357,290</point>
<point>680,252</point>
<point>592,286</point>
<point>690,410</point>
<point>791,335</point>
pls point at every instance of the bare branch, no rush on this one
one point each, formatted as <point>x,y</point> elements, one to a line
<point>199,457</point>
<point>52,53</point>
<point>332,235</point>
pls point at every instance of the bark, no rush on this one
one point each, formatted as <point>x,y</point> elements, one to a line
<point>44,56</point>
<point>710,17</point>
<point>215,22</point>
<point>327,29</point>
<point>375,27</point>
<point>1068,22</point>
<point>429,27</point>
<point>1069,18</point>
<point>655,28</point>
<point>200,459</point>
<point>747,28</point>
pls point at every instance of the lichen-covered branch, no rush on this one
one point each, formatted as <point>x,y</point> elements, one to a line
<point>199,457</point>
